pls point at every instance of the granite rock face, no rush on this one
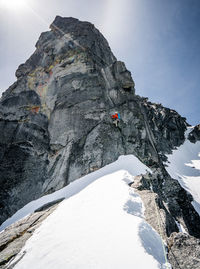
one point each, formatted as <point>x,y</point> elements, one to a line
<point>194,135</point>
<point>56,126</point>
<point>55,120</point>
<point>15,236</point>
<point>184,251</point>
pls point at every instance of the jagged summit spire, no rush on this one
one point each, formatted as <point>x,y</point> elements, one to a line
<point>85,35</point>
<point>65,90</point>
<point>56,126</point>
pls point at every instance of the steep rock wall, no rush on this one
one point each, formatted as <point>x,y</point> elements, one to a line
<point>55,120</point>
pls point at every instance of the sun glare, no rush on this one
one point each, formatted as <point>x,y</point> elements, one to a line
<point>13,4</point>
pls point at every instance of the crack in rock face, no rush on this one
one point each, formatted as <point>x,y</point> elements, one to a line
<point>56,125</point>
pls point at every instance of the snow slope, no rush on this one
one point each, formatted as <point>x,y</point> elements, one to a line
<point>128,162</point>
<point>101,226</point>
<point>184,165</point>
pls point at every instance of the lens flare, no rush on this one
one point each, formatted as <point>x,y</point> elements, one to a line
<point>13,4</point>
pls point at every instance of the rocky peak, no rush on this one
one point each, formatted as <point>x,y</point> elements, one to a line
<point>65,91</point>
<point>194,135</point>
<point>58,115</point>
<point>68,36</point>
<point>56,124</point>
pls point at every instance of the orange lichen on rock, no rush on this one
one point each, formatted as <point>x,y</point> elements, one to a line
<point>35,109</point>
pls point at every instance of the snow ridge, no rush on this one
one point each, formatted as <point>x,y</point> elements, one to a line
<point>100,226</point>
<point>184,165</point>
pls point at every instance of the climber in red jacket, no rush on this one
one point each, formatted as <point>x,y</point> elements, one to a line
<point>116,118</point>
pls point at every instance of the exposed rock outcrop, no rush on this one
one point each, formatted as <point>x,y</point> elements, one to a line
<point>173,204</point>
<point>14,237</point>
<point>56,126</point>
<point>184,251</point>
<point>55,120</point>
<point>194,135</point>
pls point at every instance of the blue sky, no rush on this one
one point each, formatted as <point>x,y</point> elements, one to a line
<point>159,40</point>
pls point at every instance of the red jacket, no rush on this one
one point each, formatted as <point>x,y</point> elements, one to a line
<point>115,116</point>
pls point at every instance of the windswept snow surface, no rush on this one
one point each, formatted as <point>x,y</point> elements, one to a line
<point>184,165</point>
<point>128,162</point>
<point>101,226</point>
